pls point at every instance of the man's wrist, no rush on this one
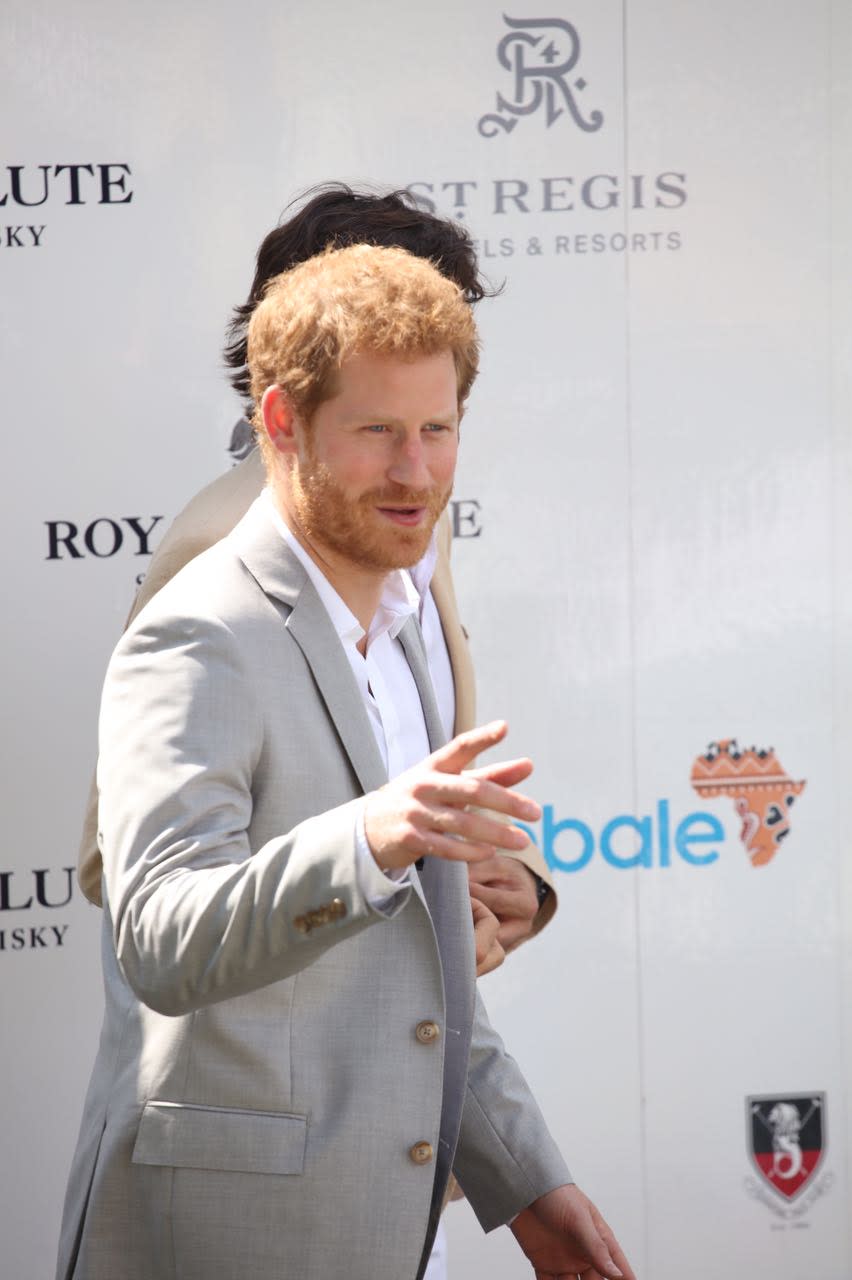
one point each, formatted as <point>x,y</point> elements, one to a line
<point>377,885</point>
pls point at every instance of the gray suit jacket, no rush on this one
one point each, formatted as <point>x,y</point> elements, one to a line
<point>210,516</point>
<point>262,1104</point>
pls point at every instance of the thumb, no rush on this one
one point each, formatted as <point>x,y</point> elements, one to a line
<point>483,915</point>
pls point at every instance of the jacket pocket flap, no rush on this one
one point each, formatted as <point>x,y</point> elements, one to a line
<point>187,1136</point>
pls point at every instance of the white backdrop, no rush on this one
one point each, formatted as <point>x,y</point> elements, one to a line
<point>659,448</point>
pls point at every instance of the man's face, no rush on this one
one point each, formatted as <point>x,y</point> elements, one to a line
<point>375,466</point>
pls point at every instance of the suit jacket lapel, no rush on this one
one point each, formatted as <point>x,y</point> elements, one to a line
<point>311,628</point>
<point>443,888</point>
<point>280,575</point>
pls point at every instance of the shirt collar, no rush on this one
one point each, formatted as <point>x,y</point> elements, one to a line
<point>404,592</point>
<point>421,573</point>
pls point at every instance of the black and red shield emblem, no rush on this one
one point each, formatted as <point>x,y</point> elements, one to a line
<point>786,1137</point>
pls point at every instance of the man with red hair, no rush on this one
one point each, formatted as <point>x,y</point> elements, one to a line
<point>293,1055</point>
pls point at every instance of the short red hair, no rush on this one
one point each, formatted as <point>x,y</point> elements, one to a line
<point>365,298</point>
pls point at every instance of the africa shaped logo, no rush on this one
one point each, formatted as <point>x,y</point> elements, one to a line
<point>786,1139</point>
<point>762,792</point>
<point>540,54</point>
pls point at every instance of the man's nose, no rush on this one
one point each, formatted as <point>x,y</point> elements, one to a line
<point>408,465</point>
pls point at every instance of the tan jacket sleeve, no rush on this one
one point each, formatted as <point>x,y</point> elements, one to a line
<point>465,691</point>
<point>204,521</point>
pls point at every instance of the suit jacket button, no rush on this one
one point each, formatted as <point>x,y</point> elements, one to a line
<point>337,909</point>
<point>427,1032</point>
<point>421,1152</point>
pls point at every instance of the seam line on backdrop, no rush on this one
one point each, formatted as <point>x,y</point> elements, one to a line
<point>631,628</point>
<point>836,16</point>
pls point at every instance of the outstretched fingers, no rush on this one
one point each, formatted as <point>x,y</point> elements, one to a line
<point>465,747</point>
<point>506,773</point>
<point>476,826</point>
<point>440,809</point>
<point>453,850</point>
<point>465,791</point>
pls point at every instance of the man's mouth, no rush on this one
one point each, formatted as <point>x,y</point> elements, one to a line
<point>407,516</point>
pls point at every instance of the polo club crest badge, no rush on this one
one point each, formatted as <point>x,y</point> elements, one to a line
<point>786,1139</point>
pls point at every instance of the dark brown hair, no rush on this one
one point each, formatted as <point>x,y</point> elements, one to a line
<point>337,215</point>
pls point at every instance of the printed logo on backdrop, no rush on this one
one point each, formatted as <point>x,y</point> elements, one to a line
<point>101,538</point>
<point>786,1140</point>
<point>540,55</point>
<point>24,892</point>
<point>465,513</point>
<point>762,791</point>
<point>24,187</point>
<point>763,795</point>
<point>558,210</point>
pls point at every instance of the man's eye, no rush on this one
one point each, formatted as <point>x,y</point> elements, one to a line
<point>437,426</point>
<point>376,427</point>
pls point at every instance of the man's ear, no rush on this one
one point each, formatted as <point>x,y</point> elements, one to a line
<point>279,419</point>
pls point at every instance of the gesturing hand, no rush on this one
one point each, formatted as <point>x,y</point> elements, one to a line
<point>507,888</point>
<point>424,812</point>
<point>564,1236</point>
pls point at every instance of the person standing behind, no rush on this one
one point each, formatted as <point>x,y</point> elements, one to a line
<point>515,885</point>
<point>268,939</point>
